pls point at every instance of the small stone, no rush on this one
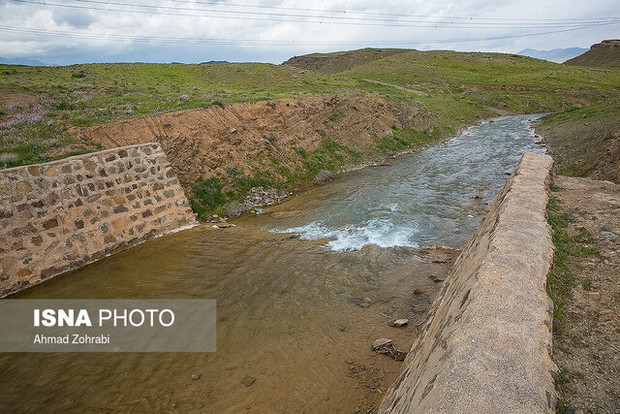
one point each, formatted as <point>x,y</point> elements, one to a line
<point>381,343</point>
<point>385,346</point>
<point>233,130</point>
<point>608,235</point>
<point>196,377</point>
<point>361,302</point>
<point>399,322</point>
<point>248,381</point>
<point>51,172</point>
<point>24,273</point>
<point>49,224</point>
<point>417,292</point>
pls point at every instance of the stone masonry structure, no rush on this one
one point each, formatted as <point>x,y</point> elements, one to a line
<point>61,215</point>
<point>486,344</point>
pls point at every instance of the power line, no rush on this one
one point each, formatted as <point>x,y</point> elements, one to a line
<point>375,14</point>
<point>287,17</point>
<point>273,43</point>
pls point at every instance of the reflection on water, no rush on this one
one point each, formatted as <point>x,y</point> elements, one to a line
<point>295,320</point>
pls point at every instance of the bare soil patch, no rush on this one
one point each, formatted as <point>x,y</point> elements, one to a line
<point>16,100</point>
<point>587,350</point>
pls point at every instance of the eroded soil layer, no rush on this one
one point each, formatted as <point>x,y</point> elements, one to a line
<point>202,142</point>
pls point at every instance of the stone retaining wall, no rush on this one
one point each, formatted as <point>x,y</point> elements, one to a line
<point>61,215</point>
<point>486,345</point>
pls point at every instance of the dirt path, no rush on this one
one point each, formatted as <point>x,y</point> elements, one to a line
<point>587,349</point>
<point>400,88</point>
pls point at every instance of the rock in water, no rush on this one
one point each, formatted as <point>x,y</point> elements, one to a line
<point>385,346</point>
<point>381,344</point>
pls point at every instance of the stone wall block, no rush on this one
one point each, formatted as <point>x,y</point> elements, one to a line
<point>57,216</point>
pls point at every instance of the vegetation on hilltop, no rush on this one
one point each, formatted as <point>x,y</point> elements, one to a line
<point>330,63</point>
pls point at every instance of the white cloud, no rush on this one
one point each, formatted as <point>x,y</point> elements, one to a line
<point>277,29</point>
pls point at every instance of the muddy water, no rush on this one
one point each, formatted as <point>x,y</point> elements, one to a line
<point>296,319</point>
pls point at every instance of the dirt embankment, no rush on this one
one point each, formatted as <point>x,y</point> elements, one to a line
<point>202,142</point>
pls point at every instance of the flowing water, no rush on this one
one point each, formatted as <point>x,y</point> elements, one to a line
<point>436,196</point>
<point>296,316</point>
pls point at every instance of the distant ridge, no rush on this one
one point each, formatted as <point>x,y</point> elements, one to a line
<point>23,61</point>
<point>213,62</point>
<point>605,54</point>
<point>555,55</point>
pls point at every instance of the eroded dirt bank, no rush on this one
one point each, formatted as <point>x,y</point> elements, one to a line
<point>202,142</point>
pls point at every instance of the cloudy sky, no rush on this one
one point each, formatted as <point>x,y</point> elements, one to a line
<point>191,31</point>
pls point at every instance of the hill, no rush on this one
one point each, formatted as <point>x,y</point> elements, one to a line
<point>605,55</point>
<point>330,63</point>
<point>555,55</point>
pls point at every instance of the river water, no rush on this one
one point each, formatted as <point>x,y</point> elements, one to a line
<point>296,315</point>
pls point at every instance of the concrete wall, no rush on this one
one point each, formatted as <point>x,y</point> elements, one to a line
<point>486,345</point>
<point>64,214</point>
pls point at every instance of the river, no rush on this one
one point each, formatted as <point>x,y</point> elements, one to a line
<point>297,313</point>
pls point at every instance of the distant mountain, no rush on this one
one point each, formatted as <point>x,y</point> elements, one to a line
<point>555,55</point>
<point>605,54</point>
<point>23,61</point>
<point>214,62</point>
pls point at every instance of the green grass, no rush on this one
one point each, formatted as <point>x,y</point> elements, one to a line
<point>562,379</point>
<point>581,136</point>
<point>405,138</point>
<point>560,277</point>
<point>561,280</point>
<point>97,93</point>
<point>215,194</point>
